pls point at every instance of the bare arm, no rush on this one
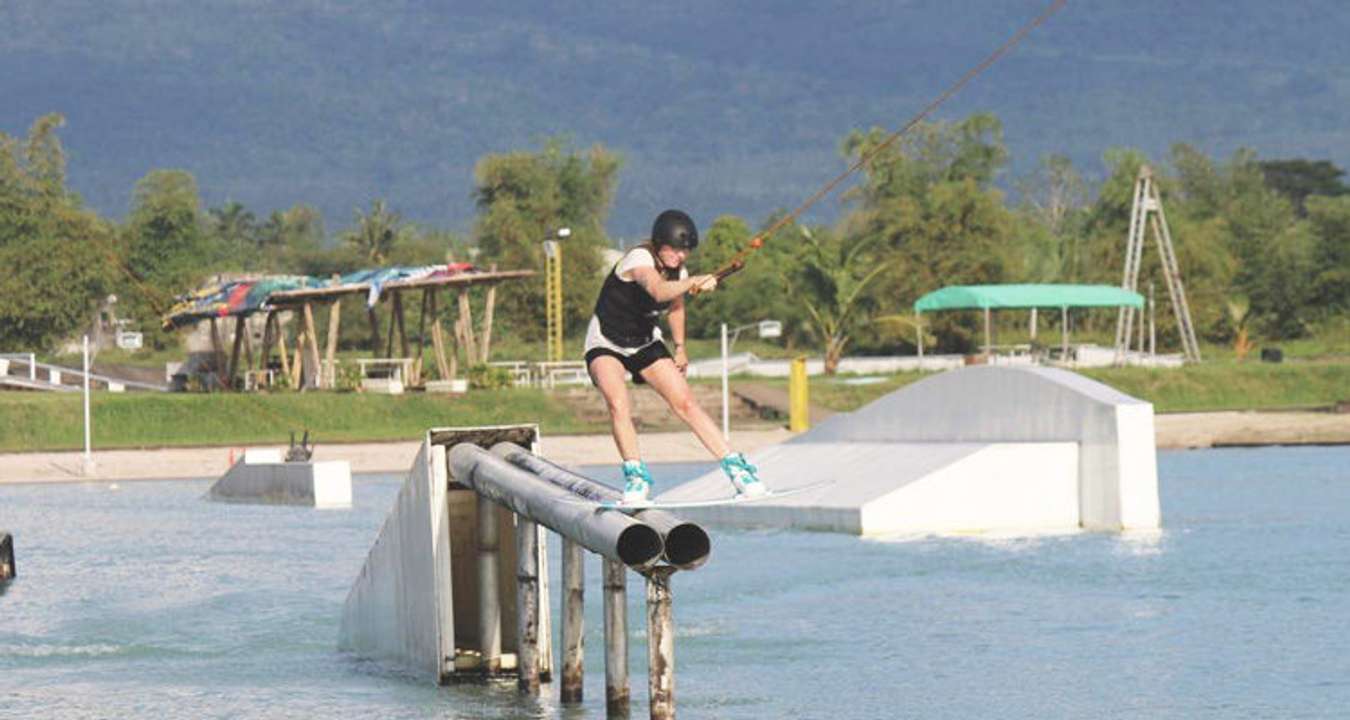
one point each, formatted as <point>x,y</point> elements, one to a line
<point>676,320</point>
<point>663,290</point>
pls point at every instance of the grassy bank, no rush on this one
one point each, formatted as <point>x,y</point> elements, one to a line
<point>41,421</point>
<point>1216,386</point>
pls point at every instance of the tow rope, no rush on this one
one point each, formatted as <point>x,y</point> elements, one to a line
<point>737,261</point>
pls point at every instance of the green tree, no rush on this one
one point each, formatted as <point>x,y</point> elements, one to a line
<point>751,294</point>
<point>832,279</point>
<point>167,249</point>
<point>1330,287</point>
<point>377,233</point>
<point>1299,179</point>
<point>929,204</point>
<point>235,233</point>
<point>522,199</point>
<point>59,258</point>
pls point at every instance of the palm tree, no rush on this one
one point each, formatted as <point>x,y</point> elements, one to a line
<point>376,233</point>
<point>831,279</point>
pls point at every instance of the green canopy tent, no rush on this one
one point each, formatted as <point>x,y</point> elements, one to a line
<point>999,297</point>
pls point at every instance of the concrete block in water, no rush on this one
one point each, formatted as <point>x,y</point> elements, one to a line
<point>260,477</point>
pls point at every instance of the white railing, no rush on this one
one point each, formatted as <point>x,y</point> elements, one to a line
<point>54,373</point>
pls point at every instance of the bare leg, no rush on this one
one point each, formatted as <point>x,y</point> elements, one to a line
<point>608,374</point>
<point>667,380</point>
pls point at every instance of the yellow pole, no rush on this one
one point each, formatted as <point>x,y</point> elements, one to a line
<point>799,416</point>
<point>553,299</point>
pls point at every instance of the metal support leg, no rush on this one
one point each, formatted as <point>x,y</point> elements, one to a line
<point>489,606</point>
<point>616,639</point>
<point>660,645</point>
<point>527,605</point>
<point>573,629</point>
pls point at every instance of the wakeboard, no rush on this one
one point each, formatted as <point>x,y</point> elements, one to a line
<point>618,506</point>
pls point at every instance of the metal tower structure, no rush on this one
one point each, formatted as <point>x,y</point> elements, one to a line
<point>553,295</point>
<point>1148,213</point>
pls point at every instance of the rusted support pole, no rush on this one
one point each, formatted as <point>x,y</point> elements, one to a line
<point>573,629</point>
<point>527,606</point>
<point>489,606</point>
<point>660,644</point>
<point>616,640</point>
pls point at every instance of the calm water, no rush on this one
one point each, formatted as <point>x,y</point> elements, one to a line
<point>146,601</point>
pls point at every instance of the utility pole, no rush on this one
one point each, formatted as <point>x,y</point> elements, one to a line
<point>1146,213</point>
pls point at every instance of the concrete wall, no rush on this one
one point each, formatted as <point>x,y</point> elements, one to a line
<point>1117,460</point>
<point>400,608</point>
<point>325,484</point>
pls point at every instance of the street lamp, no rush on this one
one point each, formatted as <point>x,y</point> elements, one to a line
<point>765,329</point>
<point>553,294</point>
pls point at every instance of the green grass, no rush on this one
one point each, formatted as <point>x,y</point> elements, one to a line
<point>1233,386</point>
<point>1214,386</point>
<point>33,421</point>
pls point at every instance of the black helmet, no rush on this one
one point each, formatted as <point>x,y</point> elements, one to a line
<point>676,229</point>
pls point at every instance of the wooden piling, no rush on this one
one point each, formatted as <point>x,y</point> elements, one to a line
<point>573,629</point>
<point>660,644</point>
<point>527,606</point>
<point>489,606</point>
<point>7,567</point>
<point>312,335</point>
<point>234,353</point>
<point>330,352</point>
<point>616,639</point>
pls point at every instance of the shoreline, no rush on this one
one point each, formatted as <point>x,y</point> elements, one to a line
<point>1173,431</point>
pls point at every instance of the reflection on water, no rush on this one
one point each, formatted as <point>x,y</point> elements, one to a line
<point>147,601</point>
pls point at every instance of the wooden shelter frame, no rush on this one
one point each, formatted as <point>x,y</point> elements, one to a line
<point>308,367</point>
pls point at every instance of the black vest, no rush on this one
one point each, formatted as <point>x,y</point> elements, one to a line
<point>627,312</point>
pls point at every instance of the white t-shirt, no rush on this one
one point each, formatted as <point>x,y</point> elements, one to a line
<point>635,258</point>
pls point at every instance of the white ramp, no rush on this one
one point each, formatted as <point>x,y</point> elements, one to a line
<point>970,450</point>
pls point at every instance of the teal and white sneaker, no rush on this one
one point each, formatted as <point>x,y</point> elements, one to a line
<point>742,476</point>
<point>637,484</point>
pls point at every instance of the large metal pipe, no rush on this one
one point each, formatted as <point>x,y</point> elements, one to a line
<point>686,544</point>
<point>613,535</point>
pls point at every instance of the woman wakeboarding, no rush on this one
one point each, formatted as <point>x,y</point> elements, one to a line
<point>623,337</point>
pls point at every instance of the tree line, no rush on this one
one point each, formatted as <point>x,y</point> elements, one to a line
<point>1263,246</point>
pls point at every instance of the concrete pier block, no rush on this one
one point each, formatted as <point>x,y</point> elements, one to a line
<point>260,477</point>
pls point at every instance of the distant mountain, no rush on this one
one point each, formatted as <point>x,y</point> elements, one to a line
<point>718,107</point>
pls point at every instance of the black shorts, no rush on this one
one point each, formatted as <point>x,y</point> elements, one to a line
<point>634,363</point>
